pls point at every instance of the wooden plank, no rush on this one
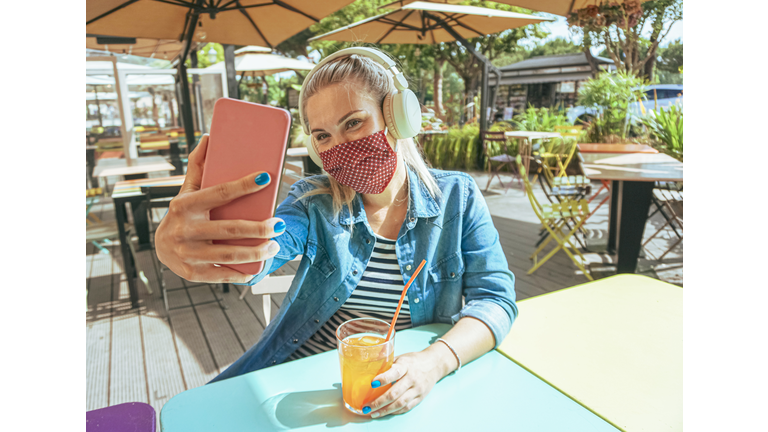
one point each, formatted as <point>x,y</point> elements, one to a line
<point>98,333</point>
<point>197,363</point>
<point>163,368</point>
<point>247,326</point>
<point>225,345</point>
<point>201,294</point>
<point>178,298</point>
<point>128,381</point>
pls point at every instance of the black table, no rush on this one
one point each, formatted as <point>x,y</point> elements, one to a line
<point>126,192</point>
<point>632,178</point>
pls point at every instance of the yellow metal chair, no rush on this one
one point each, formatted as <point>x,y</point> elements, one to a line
<point>555,218</point>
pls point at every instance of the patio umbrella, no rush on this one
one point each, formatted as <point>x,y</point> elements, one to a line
<point>240,22</point>
<point>152,48</point>
<point>430,23</point>
<point>235,22</point>
<point>557,7</point>
<point>259,64</point>
<point>423,23</point>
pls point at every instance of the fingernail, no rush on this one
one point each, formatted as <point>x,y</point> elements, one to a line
<point>374,415</point>
<point>366,410</point>
<point>262,179</point>
<point>376,384</point>
<point>274,248</point>
<point>279,227</point>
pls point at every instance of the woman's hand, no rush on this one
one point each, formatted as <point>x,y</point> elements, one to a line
<point>184,238</point>
<point>413,375</point>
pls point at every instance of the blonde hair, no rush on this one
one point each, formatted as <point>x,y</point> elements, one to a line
<point>378,84</point>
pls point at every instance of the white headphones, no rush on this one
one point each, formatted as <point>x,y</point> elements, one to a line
<point>401,108</point>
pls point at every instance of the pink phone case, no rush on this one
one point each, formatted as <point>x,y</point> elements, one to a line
<point>245,138</point>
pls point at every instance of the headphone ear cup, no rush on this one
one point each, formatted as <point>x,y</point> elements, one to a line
<point>406,114</point>
<point>389,118</point>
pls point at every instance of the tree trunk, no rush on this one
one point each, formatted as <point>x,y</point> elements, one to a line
<point>166,98</point>
<point>591,60</point>
<point>649,64</point>
<point>438,89</point>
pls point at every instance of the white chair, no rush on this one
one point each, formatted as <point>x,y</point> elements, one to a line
<point>268,286</point>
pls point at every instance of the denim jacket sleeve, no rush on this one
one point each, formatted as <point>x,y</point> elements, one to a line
<point>489,285</point>
<point>293,241</point>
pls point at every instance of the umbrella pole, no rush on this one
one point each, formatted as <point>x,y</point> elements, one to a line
<point>186,109</point>
<point>229,63</point>
<point>486,66</point>
<point>186,103</point>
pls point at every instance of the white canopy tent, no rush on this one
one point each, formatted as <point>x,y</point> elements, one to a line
<point>260,63</point>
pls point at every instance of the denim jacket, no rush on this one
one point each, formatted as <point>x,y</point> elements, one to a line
<point>453,232</point>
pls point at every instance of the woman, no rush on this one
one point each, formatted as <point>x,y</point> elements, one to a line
<point>362,230</point>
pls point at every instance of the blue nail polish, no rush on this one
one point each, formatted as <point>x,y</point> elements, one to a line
<point>366,410</point>
<point>376,384</point>
<point>262,179</point>
<point>279,227</point>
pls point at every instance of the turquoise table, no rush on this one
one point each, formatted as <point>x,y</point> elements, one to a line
<point>491,393</point>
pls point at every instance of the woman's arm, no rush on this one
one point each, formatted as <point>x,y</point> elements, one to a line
<point>416,373</point>
<point>479,327</point>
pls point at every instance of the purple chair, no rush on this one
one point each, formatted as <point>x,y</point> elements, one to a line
<point>127,417</point>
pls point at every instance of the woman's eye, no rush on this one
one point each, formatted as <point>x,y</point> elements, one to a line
<point>321,137</point>
<point>353,122</point>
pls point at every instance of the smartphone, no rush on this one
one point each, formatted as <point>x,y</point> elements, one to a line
<point>245,138</point>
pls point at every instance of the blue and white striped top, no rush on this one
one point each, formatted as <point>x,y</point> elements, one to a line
<point>376,296</point>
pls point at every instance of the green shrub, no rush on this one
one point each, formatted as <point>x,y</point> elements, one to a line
<point>666,128</point>
<point>540,119</point>
<point>610,94</point>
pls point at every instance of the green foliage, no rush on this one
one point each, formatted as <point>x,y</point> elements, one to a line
<point>610,95</point>
<point>540,119</point>
<point>671,57</point>
<point>455,150</point>
<point>666,128</point>
<point>670,64</point>
<point>202,56</point>
<point>620,28</point>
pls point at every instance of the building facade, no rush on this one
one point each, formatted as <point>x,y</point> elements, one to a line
<point>546,81</point>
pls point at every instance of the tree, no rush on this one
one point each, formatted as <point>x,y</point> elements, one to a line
<point>619,28</point>
<point>671,57</point>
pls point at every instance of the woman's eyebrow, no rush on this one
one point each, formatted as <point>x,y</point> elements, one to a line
<point>344,117</point>
<point>347,115</point>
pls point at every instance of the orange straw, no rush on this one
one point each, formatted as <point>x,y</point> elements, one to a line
<point>367,398</point>
<point>402,297</point>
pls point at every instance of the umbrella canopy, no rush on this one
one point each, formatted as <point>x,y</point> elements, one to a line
<point>419,23</point>
<point>557,7</point>
<point>264,64</point>
<point>152,48</point>
<point>243,22</point>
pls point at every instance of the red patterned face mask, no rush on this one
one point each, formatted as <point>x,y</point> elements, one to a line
<point>366,165</point>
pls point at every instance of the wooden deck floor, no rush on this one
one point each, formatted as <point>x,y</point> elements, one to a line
<point>150,354</point>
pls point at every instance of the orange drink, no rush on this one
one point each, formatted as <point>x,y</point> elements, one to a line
<point>363,354</point>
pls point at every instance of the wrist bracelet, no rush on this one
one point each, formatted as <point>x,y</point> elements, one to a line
<point>458,359</point>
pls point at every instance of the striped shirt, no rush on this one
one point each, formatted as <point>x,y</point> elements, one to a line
<point>376,296</point>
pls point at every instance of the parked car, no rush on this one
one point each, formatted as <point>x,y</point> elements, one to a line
<point>665,95</point>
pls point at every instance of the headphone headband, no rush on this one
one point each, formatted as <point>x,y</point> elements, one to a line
<point>379,57</point>
<point>401,108</point>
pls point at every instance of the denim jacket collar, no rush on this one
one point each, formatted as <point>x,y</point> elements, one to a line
<point>421,205</point>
